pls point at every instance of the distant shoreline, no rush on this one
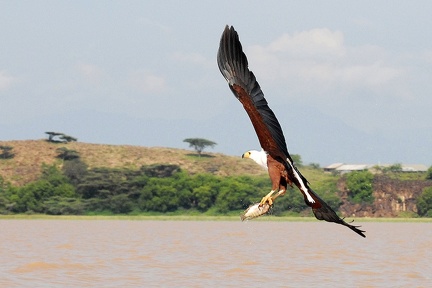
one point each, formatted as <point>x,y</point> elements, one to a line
<point>196,218</point>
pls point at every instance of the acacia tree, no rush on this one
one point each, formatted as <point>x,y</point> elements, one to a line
<point>63,138</point>
<point>51,136</point>
<point>199,144</point>
<point>67,138</point>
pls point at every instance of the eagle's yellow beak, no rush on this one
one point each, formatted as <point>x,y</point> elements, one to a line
<point>246,155</point>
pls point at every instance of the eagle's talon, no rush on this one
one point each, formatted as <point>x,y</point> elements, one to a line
<point>267,199</point>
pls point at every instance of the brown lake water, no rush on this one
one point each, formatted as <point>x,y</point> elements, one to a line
<point>122,253</point>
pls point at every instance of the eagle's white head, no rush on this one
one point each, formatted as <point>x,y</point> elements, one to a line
<point>259,157</point>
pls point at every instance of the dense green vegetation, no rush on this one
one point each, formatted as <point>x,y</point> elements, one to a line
<point>429,173</point>
<point>67,186</point>
<point>359,186</point>
<point>424,202</point>
<point>76,190</point>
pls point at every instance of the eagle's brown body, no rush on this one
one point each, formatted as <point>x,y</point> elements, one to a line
<point>233,65</point>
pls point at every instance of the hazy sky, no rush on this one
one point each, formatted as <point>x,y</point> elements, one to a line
<point>350,81</point>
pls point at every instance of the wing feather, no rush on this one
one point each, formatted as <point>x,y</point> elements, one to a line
<point>233,65</point>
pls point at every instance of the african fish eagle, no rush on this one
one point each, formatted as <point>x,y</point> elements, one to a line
<point>274,155</point>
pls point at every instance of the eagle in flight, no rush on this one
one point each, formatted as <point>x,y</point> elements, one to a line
<point>274,155</point>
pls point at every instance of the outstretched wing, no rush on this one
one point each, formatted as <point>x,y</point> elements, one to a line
<point>233,65</point>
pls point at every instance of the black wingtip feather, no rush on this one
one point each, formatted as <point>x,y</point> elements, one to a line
<point>355,228</point>
<point>326,213</point>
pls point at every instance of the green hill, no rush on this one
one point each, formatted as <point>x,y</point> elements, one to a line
<point>26,165</point>
<point>133,189</point>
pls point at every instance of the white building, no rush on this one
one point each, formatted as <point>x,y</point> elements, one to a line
<point>346,168</point>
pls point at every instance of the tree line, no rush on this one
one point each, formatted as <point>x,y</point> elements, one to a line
<point>73,189</point>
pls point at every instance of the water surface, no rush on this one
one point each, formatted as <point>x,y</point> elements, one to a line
<point>122,253</point>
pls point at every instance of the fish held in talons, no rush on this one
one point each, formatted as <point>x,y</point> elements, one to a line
<point>255,211</point>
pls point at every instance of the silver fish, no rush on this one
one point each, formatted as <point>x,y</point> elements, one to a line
<point>255,211</point>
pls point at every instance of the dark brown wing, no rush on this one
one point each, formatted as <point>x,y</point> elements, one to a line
<point>233,65</point>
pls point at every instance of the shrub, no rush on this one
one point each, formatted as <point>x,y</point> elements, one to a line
<point>75,170</point>
<point>359,186</point>
<point>63,206</point>
<point>6,152</point>
<point>429,173</point>
<point>67,154</point>
<point>424,202</point>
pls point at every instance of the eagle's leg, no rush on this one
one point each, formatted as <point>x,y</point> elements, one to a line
<point>280,193</point>
<point>271,197</point>
<point>278,177</point>
<point>268,198</point>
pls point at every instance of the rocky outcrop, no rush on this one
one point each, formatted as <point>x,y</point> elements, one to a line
<point>392,197</point>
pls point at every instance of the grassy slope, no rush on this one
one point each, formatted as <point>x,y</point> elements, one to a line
<point>31,154</point>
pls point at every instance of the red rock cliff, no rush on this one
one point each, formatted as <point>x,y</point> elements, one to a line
<point>392,197</point>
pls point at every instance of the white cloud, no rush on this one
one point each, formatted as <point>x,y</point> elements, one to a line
<point>320,58</point>
<point>5,80</point>
<point>373,74</point>
<point>147,82</point>
<point>91,73</point>
<point>192,58</point>
<point>315,42</point>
